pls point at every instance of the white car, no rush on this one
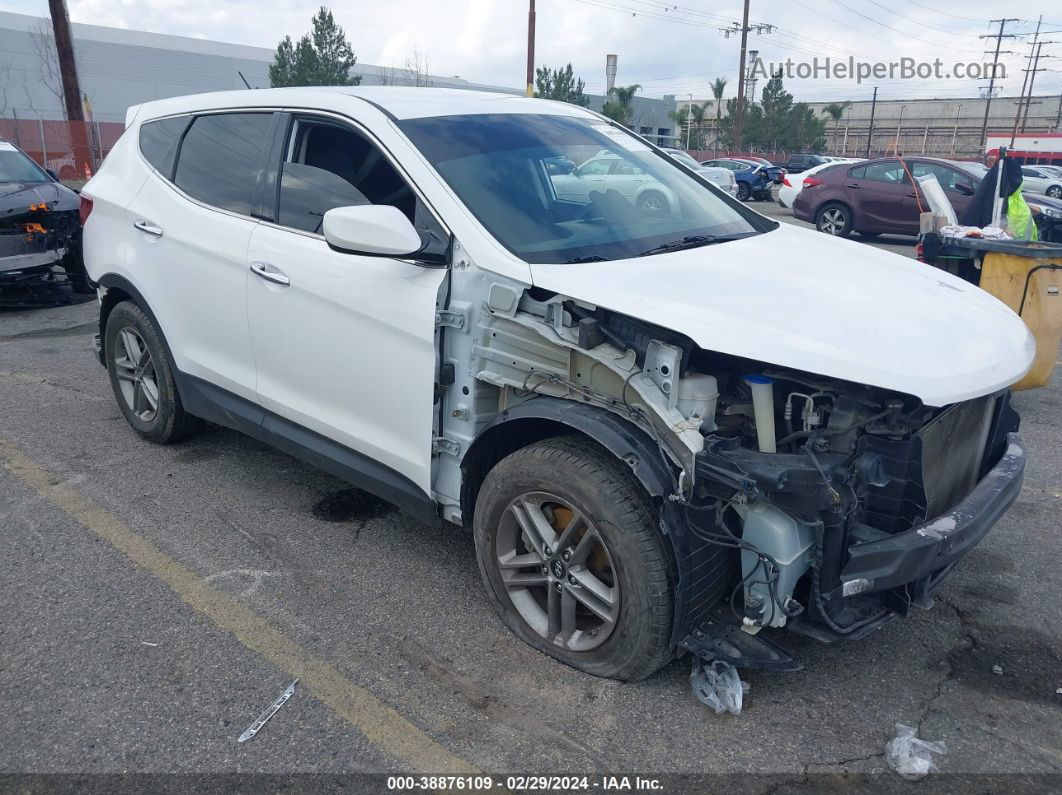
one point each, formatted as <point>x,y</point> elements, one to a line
<point>661,426</point>
<point>792,184</point>
<point>1041,180</point>
<point>723,177</point>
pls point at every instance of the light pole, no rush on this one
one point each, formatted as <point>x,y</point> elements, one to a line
<point>689,112</point>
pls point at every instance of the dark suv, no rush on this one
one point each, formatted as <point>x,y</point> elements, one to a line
<point>802,161</point>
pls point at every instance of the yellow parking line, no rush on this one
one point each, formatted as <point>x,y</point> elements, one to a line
<point>380,724</point>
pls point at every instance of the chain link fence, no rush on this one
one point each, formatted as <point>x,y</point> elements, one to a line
<point>73,150</point>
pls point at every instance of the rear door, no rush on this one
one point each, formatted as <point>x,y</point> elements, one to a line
<point>877,192</point>
<point>191,224</point>
<point>345,343</point>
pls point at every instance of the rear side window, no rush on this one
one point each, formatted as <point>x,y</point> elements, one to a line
<point>222,158</point>
<point>159,141</point>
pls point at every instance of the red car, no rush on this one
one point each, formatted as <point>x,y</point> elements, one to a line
<point>877,196</point>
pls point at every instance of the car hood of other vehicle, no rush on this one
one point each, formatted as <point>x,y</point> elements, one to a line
<point>807,301</point>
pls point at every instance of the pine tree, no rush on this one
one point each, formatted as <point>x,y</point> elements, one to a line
<point>320,58</point>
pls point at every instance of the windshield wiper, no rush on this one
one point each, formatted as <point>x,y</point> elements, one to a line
<point>591,258</point>
<point>690,241</point>
<point>694,241</point>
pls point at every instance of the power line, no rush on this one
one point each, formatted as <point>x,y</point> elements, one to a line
<point>905,34</point>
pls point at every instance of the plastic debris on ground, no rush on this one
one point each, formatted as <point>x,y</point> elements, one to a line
<point>997,670</point>
<point>718,685</point>
<point>910,756</point>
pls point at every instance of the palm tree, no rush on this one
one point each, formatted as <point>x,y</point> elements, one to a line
<point>718,86</point>
<point>835,110</point>
<point>618,108</point>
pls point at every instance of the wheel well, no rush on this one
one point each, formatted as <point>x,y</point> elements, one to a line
<point>111,299</point>
<point>497,442</point>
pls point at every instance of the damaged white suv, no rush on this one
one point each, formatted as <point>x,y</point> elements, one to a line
<point>670,425</point>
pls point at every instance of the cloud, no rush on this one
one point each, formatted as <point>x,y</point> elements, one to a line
<point>681,52</point>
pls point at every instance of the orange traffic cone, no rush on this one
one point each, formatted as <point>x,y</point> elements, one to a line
<point>88,172</point>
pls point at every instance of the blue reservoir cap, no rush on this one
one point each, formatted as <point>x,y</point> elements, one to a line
<point>758,379</point>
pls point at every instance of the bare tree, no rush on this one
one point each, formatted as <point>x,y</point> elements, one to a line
<point>44,46</point>
<point>417,70</point>
<point>5,84</point>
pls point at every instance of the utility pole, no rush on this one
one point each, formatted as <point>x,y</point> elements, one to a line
<point>870,132</point>
<point>740,109</point>
<point>744,30</point>
<point>1025,80</point>
<point>64,49</point>
<point>1032,79</point>
<point>955,130</point>
<point>531,50</point>
<point>995,61</point>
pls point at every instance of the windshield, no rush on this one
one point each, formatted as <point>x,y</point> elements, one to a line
<point>17,167</point>
<point>622,199</point>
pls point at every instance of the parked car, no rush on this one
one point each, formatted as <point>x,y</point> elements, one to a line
<point>611,172</point>
<point>802,161</point>
<point>773,172</point>
<point>752,180</point>
<point>1037,179</point>
<point>877,196</point>
<point>661,427</point>
<point>723,177</point>
<point>39,228</point>
<point>792,184</point>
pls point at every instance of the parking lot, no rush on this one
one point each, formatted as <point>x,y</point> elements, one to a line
<point>157,599</point>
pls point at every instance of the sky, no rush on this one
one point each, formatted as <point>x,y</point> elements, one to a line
<point>667,48</point>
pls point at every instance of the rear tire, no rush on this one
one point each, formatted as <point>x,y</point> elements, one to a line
<point>834,218</point>
<point>141,376</point>
<point>1055,191</point>
<point>598,597</point>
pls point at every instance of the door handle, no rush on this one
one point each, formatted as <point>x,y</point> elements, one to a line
<point>270,273</point>
<point>912,195</point>
<point>148,227</point>
<point>852,185</point>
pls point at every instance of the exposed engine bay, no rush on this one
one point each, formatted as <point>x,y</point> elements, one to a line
<point>790,489</point>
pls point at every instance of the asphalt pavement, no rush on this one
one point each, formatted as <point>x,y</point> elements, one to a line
<point>155,600</point>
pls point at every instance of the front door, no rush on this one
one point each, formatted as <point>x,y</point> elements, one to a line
<point>345,343</point>
<point>877,194</point>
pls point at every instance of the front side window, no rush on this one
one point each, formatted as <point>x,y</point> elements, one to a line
<point>329,165</point>
<point>496,164</point>
<point>222,158</point>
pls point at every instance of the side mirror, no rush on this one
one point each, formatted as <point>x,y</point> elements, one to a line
<point>52,174</point>
<point>965,188</point>
<point>378,230</point>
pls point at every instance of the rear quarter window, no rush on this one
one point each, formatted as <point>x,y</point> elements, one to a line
<point>159,141</point>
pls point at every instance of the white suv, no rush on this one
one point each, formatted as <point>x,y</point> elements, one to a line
<point>663,422</point>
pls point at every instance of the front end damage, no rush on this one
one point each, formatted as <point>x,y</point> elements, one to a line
<point>796,501</point>
<point>40,245</point>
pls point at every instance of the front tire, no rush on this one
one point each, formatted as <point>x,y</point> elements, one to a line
<point>573,561</point>
<point>834,219</point>
<point>743,192</point>
<point>141,376</point>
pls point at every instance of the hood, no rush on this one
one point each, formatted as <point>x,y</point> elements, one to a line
<point>808,301</point>
<point>16,197</point>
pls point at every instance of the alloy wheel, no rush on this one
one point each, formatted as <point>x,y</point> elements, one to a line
<point>136,374</point>
<point>832,221</point>
<point>557,571</point>
<point>1055,192</point>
